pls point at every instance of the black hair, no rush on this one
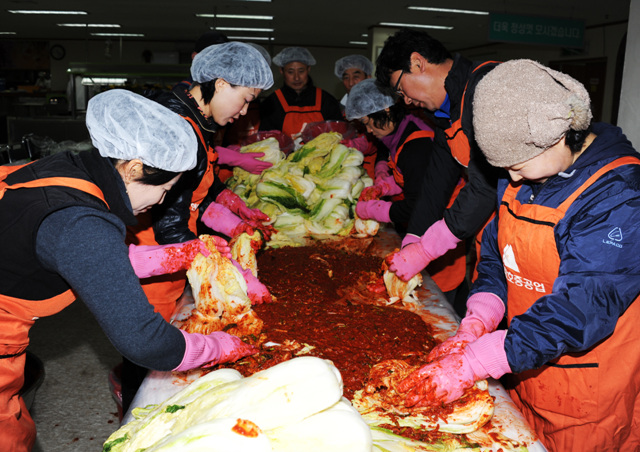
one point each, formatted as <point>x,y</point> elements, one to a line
<point>208,89</point>
<point>575,138</point>
<point>381,118</point>
<point>208,39</point>
<point>397,50</point>
<point>150,175</point>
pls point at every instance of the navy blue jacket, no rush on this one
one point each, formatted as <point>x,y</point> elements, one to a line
<point>597,280</point>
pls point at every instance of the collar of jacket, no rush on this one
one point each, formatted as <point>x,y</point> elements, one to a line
<point>105,176</point>
<point>189,102</point>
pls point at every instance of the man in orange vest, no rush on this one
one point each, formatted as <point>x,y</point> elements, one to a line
<point>421,70</point>
<point>560,260</point>
<point>298,102</point>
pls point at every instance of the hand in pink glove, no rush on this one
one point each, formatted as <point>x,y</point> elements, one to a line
<point>413,258</point>
<point>154,260</point>
<point>248,161</point>
<point>484,312</point>
<point>257,292</point>
<point>374,210</point>
<point>221,219</point>
<point>360,143</point>
<point>208,350</point>
<point>384,186</point>
<point>254,217</point>
<point>446,379</point>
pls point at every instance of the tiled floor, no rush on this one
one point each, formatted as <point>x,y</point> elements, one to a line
<point>73,409</point>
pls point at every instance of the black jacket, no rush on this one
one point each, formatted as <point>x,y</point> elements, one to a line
<point>171,218</point>
<point>476,201</point>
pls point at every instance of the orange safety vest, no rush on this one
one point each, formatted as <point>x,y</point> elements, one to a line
<point>447,271</point>
<point>164,291</point>
<point>585,401</point>
<point>17,429</point>
<point>456,138</point>
<point>296,117</point>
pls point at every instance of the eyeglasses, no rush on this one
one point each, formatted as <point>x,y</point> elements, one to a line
<point>397,88</point>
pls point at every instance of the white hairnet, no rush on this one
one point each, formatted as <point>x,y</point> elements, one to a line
<point>127,126</point>
<point>366,98</point>
<point>236,62</point>
<point>353,61</point>
<point>262,50</point>
<point>290,54</point>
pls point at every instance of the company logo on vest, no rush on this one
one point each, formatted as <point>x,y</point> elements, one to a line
<point>510,266</point>
<point>614,236</point>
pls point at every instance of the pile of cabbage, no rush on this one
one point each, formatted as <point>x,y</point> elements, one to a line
<point>312,192</point>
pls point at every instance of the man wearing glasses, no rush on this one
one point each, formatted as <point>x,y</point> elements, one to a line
<point>421,70</point>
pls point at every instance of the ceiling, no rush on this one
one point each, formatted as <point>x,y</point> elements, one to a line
<point>327,23</point>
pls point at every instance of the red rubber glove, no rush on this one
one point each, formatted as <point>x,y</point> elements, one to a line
<point>413,258</point>
<point>154,260</point>
<point>257,292</point>
<point>446,379</point>
<point>484,312</point>
<point>254,217</point>
<point>248,161</point>
<point>221,219</point>
<point>374,210</point>
<point>215,348</point>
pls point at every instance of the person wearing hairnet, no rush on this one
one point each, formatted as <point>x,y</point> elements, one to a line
<point>63,231</point>
<point>560,260</point>
<point>298,101</point>
<point>227,77</point>
<point>419,68</point>
<point>205,40</point>
<point>351,70</point>
<point>237,133</point>
<point>407,144</point>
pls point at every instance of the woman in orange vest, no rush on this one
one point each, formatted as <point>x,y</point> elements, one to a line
<point>408,142</point>
<point>560,259</point>
<point>227,77</point>
<point>298,102</point>
<point>62,236</point>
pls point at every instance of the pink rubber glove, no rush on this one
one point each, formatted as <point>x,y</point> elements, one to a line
<point>221,219</point>
<point>360,143</point>
<point>254,217</point>
<point>484,312</point>
<point>215,348</point>
<point>154,260</point>
<point>409,239</point>
<point>446,379</point>
<point>413,258</point>
<point>384,186</point>
<point>248,161</point>
<point>381,169</point>
<point>257,292</point>
<point>374,210</point>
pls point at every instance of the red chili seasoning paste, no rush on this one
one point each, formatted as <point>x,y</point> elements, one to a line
<point>317,312</point>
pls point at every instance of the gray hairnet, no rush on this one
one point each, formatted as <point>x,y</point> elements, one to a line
<point>127,126</point>
<point>290,54</point>
<point>351,62</point>
<point>236,62</point>
<point>366,98</point>
<point>262,50</point>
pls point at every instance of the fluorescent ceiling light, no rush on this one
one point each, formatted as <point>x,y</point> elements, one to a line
<point>127,35</point>
<point>236,16</point>
<point>90,81</point>
<point>433,27</point>
<point>251,38</point>
<point>360,43</point>
<point>7,32</point>
<point>90,25</point>
<point>264,30</point>
<point>41,11</point>
<point>448,10</point>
